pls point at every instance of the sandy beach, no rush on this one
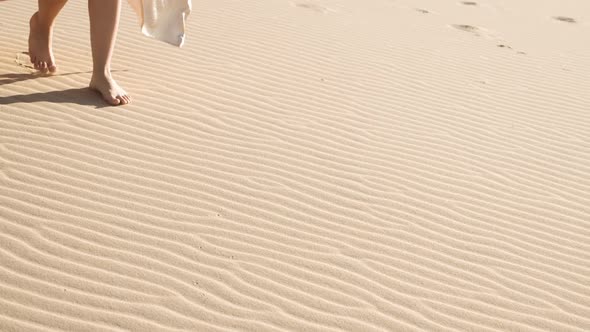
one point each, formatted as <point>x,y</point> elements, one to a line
<point>307,165</point>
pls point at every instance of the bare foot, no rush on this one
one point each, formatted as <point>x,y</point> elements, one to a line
<point>111,92</point>
<point>40,50</point>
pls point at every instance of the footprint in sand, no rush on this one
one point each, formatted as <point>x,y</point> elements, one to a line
<point>423,11</point>
<point>564,19</point>
<point>479,32</point>
<point>469,3</point>
<point>467,28</point>
<point>313,6</point>
<point>23,60</point>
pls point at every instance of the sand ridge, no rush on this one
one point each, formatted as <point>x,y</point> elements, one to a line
<point>320,165</point>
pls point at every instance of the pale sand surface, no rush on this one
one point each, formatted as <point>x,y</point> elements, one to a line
<point>359,165</point>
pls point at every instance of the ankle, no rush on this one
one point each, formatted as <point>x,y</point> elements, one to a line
<point>101,72</point>
<point>41,22</point>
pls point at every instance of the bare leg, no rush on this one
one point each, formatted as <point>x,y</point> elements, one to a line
<point>104,22</point>
<point>41,35</point>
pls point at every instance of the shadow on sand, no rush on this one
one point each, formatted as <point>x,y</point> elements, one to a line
<point>81,96</point>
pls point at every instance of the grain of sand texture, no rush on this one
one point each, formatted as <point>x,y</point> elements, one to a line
<point>327,165</point>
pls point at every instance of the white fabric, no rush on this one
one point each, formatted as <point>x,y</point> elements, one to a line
<point>163,19</point>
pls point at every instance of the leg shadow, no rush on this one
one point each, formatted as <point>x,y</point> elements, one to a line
<point>80,96</point>
<point>11,78</point>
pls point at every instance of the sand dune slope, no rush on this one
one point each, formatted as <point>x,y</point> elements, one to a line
<point>309,165</point>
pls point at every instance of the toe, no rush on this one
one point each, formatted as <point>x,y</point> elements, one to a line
<point>52,67</point>
<point>112,101</point>
<point>43,67</point>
